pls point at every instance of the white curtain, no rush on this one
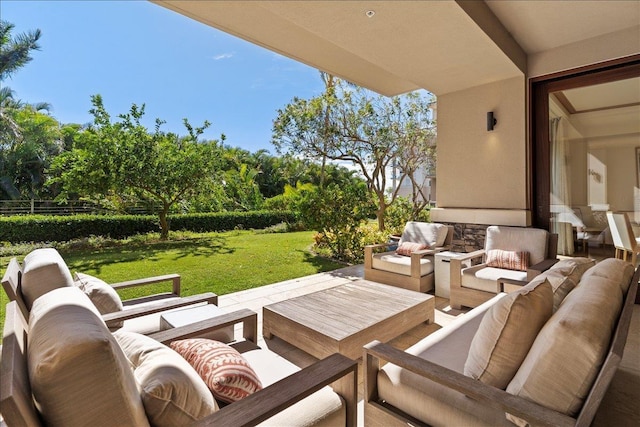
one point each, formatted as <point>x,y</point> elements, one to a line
<point>560,191</point>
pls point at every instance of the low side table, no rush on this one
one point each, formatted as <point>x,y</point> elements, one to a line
<point>177,318</point>
<point>443,272</point>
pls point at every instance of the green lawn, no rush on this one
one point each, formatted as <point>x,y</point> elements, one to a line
<point>216,262</point>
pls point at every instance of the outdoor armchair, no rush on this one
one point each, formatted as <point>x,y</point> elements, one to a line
<point>411,265</point>
<point>45,270</point>
<point>510,255</point>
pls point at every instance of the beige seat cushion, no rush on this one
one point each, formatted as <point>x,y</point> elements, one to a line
<point>78,373</point>
<point>43,270</point>
<point>569,350</point>
<point>485,278</point>
<point>146,324</point>
<point>322,408</point>
<point>172,391</point>
<point>400,264</point>
<point>428,233</point>
<point>506,334</point>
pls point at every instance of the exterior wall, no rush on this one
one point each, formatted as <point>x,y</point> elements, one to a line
<point>591,51</point>
<point>482,175</point>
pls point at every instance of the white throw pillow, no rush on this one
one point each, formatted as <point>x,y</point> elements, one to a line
<point>172,392</point>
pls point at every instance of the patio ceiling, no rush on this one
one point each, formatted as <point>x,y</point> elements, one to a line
<point>394,47</point>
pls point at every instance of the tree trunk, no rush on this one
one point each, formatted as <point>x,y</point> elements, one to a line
<point>164,224</point>
<point>382,208</point>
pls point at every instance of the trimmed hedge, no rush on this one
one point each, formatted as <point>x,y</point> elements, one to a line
<point>45,228</point>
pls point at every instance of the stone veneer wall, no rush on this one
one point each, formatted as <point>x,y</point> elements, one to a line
<point>468,237</point>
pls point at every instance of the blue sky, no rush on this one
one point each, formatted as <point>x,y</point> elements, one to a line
<point>138,52</point>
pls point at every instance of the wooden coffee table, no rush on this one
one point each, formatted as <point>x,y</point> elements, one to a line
<point>344,318</point>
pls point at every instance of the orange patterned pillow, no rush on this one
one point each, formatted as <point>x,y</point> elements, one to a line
<point>225,371</point>
<point>406,248</point>
<point>509,260</point>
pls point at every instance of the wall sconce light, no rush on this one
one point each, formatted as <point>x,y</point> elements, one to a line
<point>491,121</point>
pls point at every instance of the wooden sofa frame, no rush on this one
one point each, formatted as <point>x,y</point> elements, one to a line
<point>415,282</point>
<point>11,282</point>
<point>377,412</point>
<point>468,297</point>
<point>336,370</point>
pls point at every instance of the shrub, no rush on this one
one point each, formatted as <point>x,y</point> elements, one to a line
<point>43,228</point>
<point>347,244</point>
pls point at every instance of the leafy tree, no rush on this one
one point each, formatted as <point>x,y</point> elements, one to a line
<point>28,137</point>
<point>15,52</point>
<point>24,160</point>
<point>123,159</point>
<point>415,135</point>
<point>348,123</point>
<point>241,188</point>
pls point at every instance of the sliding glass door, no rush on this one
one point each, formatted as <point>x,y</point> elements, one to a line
<point>586,153</point>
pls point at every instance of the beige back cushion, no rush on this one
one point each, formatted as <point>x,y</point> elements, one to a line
<point>532,240</point>
<point>428,233</point>
<point>172,392</point>
<point>613,269</point>
<point>506,333</point>
<point>79,375</point>
<point>574,268</point>
<point>43,270</point>
<point>564,276</point>
<point>561,285</point>
<point>567,354</point>
<point>103,296</point>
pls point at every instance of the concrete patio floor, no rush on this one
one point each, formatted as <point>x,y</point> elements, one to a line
<point>621,405</point>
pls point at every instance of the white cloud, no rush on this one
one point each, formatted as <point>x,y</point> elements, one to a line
<point>223,56</point>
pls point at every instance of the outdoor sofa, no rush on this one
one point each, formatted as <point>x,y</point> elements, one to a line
<point>543,355</point>
<point>64,367</point>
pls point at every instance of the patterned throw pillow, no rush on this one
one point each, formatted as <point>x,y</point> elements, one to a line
<point>509,260</point>
<point>224,370</point>
<point>406,248</point>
